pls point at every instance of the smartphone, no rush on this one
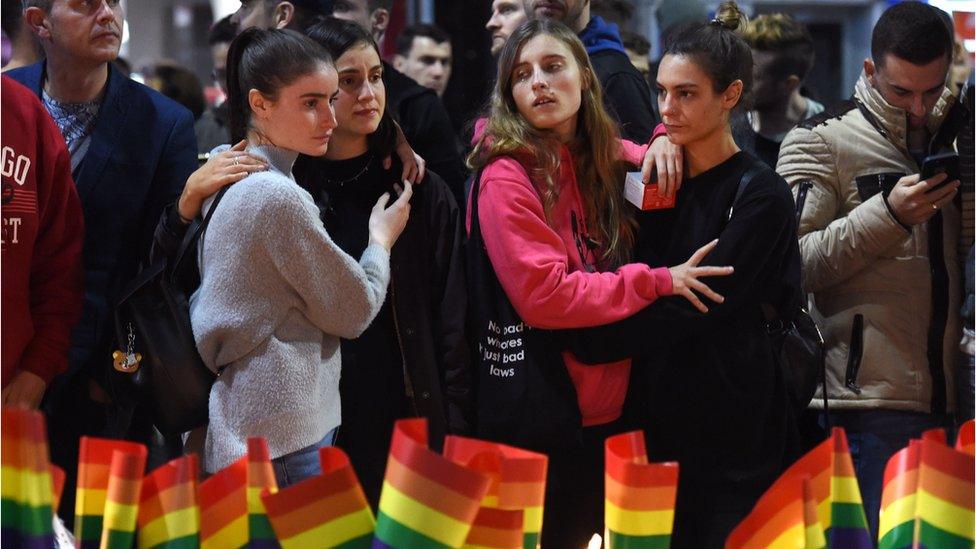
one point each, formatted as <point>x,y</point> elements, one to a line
<point>947,163</point>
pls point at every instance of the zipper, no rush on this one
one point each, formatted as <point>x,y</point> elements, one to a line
<point>407,384</point>
<point>854,353</point>
<point>801,200</point>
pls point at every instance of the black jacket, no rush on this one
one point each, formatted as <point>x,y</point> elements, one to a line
<point>427,289</point>
<point>625,94</point>
<point>427,127</point>
<point>714,395</point>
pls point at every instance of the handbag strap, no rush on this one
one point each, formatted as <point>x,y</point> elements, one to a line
<point>196,231</point>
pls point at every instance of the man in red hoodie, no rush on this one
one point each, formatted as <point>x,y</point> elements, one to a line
<point>40,248</point>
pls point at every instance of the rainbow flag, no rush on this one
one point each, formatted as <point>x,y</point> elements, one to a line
<point>496,529</point>
<point>26,489</point>
<point>518,486</point>
<point>896,521</point>
<point>122,498</point>
<point>834,486</point>
<point>784,517</point>
<point>260,477</point>
<point>329,510</point>
<point>223,508</point>
<point>965,442</point>
<point>94,470</point>
<point>168,514</point>
<point>640,496</point>
<point>944,500</point>
<point>427,500</point>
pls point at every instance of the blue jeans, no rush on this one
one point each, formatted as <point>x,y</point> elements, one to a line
<point>874,436</point>
<point>301,464</point>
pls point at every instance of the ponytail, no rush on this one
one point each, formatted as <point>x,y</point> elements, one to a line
<point>266,61</point>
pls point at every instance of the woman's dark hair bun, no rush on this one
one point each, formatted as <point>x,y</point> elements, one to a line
<point>730,16</point>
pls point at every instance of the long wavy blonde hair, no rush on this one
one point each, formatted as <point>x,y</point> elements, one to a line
<point>595,148</point>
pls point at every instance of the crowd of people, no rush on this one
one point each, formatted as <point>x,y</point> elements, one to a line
<point>363,263</point>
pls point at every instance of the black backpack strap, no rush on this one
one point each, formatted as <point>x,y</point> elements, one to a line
<point>195,232</point>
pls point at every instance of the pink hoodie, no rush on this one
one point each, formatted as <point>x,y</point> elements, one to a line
<point>541,269</point>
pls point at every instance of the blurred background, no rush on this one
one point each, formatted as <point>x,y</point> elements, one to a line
<point>174,33</point>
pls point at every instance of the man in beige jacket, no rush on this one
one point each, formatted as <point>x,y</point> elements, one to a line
<point>879,244</point>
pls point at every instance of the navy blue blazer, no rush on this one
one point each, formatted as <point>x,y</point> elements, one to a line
<point>143,149</point>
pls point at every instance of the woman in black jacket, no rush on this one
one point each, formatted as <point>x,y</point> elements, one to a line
<point>412,360</point>
<point>711,394</point>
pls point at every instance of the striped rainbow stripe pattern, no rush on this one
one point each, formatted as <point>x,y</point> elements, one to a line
<point>966,441</point>
<point>168,514</point>
<point>518,484</point>
<point>640,496</point>
<point>896,521</point>
<point>329,510</point>
<point>26,491</point>
<point>945,497</point>
<point>260,477</point>
<point>496,529</point>
<point>94,469</point>
<point>223,508</point>
<point>427,500</point>
<point>835,489</point>
<point>784,517</point>
<point>122,498</point>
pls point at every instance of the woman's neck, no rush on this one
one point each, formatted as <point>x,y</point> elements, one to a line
<point>710,151</point>
<point>344,146</point>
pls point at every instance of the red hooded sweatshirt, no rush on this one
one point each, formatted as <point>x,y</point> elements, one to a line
<point>544,274</point>
<point>40,246</point>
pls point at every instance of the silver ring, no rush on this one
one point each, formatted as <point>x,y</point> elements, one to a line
<point>934,207</point>
<point>236,161</point>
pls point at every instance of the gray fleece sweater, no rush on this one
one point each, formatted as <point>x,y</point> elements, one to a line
<point>276,294</point>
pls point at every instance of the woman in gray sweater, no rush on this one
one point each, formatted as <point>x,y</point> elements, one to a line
<point>276,293</point>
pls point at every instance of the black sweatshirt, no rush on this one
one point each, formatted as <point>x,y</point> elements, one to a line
<point>708,389</point>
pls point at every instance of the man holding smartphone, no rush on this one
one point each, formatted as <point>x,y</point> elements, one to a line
<point>878,242</point>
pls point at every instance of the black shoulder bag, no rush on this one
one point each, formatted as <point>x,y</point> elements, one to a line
<point>158,352</point>
<point>524,395</point>
<point>797,342</point>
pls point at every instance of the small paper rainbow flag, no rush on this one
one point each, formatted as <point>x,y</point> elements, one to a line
<point>640,496</point>
<point>122,498</point>
<point>169,517</point>
<point>835,489</point>
<point>223,508</point>
<point>896,521</point>
<point>966,441</point>
<point>427,500</point>
<point>518,484</point>
<point>260,477</point>
<point>329,510</point>
<point>784,517</point>
<point>945,496</point>
<point>94,466</point>
<point>26,489</point>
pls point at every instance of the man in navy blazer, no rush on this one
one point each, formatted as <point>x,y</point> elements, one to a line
<point>132,150</point>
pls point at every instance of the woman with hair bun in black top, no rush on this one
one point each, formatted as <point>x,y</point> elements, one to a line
<point>711,394</point>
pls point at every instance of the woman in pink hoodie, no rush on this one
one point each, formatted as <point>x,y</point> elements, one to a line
<point>550,215</point>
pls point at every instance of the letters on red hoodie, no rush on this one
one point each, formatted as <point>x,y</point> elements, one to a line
<point>543,269</point>
<point>41,241</point>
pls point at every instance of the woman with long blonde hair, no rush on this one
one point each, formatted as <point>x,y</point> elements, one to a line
<point>550,236</point>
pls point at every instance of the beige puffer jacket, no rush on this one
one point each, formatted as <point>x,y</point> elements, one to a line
<point>870,277</point>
